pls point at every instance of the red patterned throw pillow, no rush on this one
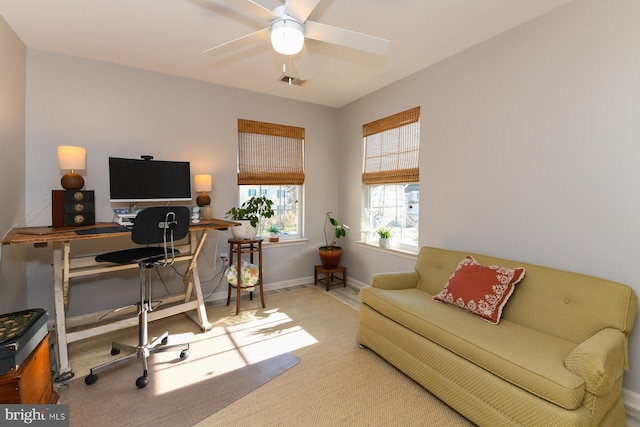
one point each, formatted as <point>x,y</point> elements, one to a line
<point>481,290</point>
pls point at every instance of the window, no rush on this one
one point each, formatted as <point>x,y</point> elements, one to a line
<point>391,178</point>
<point>285,207</point>
<point>270,163</point>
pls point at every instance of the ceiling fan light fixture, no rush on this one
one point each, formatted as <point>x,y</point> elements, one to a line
<point>287,36</point>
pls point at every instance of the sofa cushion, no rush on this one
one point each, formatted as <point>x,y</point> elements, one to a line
<point>525,357</point>
<point>480,290</point>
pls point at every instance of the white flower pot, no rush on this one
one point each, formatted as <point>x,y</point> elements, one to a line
<point>384,243</point>
<point>244,231</point>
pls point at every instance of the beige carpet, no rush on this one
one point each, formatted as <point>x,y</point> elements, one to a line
<point>335,384</point>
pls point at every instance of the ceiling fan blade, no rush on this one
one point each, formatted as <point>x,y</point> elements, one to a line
<point>239,42</point>
<point>254,9</point>
<point>301,9</point>
<point>340,36</point>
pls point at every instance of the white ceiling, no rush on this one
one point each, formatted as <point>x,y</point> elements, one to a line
<point>168,36</point>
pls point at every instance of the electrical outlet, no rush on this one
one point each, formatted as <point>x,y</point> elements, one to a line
<point>224,257</point>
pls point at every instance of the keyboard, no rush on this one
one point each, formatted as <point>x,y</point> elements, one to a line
<point>103,230</point>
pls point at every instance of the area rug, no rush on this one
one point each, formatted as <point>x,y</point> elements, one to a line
<point>334,384</point>
<point>180,395</point>
<point>224,364</point>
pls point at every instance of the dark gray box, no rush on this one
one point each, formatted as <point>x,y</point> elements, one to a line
<point>20,334</point>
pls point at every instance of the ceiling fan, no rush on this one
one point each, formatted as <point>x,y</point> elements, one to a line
<point>289,27</point>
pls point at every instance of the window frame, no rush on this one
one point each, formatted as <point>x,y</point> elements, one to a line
<point>298,234</point>
<point>272,155</point>
<point>392,160</point>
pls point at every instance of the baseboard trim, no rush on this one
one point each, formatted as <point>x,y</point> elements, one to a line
<point>631,401</point>
<point>355,284</point>
<point>221,293</point>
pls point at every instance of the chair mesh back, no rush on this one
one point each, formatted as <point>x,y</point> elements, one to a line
<point>155,224</point>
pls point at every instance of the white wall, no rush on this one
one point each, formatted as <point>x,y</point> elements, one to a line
<point>13,283</point>
<point>529,147</point>
<point>118,111</point>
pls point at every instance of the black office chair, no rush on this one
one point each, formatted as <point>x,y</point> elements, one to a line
<point>158,226</point>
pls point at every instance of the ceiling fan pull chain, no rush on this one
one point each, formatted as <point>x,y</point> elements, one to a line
<point>290,79</point>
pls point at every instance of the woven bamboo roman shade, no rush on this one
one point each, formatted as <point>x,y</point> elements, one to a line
<point>270,154</point>
<point>392,147</point>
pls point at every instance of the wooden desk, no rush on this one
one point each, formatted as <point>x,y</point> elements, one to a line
<point>66,266</point>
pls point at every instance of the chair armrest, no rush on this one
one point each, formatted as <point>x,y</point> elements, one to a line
<point>599,361</point>
<point>397,280</point>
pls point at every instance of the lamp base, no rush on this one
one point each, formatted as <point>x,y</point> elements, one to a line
<point>207,212</point>
<point>72,181</point>
<point>203,200</point>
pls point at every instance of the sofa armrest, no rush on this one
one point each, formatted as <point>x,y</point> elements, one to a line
<point>397,280</point>
<point>599,361</point>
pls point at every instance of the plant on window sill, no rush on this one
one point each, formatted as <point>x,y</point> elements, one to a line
<point>385,235</point>
<point>274,231</point>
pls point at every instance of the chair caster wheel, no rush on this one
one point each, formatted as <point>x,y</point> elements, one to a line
<point>165,340</point>
<point>115,351</point>
<point>90,379</point>
<point>184,354</point>
<point>142,381</point>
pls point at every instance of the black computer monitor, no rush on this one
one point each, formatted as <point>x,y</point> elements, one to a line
<point>148,180</point>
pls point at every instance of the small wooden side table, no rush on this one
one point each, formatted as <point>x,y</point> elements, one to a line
<point>330,276</point>
<point>239,247</point>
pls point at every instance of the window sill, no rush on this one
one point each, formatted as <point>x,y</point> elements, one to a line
<point>407,253</point>
<point>289,242</point>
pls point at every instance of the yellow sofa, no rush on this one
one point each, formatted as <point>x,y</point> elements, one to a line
<point>556,358</point>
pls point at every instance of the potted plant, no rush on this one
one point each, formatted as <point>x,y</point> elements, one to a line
<point>249,215</point>
<point>330,253</point>
<point>274,231</point>
<point>385,236</point>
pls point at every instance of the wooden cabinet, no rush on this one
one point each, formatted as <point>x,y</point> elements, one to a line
<point>32,383</point>
<point>72,208</point>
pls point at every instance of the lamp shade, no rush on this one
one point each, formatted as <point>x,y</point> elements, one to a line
<point>202,183</point>
<point>287,36</point>
<point>72,158</point>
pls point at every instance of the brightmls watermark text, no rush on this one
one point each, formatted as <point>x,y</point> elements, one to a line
<point>35,415</point>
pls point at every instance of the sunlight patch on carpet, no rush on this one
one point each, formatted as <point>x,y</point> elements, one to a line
<point>228,348</point>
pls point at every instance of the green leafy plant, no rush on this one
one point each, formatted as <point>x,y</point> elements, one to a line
<point>338,230</point>
<point>252,210</point>
<point>384,232</point>
<point>274,229</point>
